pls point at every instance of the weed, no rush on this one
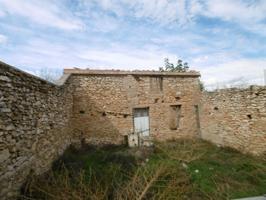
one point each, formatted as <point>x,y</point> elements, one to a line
<point>181,169</point>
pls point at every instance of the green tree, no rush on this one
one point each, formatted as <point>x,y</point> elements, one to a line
<point>170,67</point>
<point>185,66</point>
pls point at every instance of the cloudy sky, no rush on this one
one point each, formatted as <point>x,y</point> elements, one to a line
<point>225,40</point>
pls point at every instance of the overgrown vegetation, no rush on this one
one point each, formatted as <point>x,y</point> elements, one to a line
<point>183,169</point>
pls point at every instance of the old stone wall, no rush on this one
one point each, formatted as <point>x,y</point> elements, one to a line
<point>34,126</point>
<point>104,105</point>
<point>235,118</point>
<point>38,119</point>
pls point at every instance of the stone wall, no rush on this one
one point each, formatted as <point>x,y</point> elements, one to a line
<point>235,118</point>
<point>38,119</point>
<point>34,126</point>
<point>104,104</point>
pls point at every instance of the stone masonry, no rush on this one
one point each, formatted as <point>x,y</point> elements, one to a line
<point>34,126</point>
<point>39,120</point>
<point>104,102</point>
<point>235,118</point>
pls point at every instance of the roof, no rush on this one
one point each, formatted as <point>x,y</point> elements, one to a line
<point>135,72</point>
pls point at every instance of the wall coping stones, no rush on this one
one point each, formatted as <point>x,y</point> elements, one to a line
<point>251,88</point>
<point>77,71</point>
<point>60,82</point>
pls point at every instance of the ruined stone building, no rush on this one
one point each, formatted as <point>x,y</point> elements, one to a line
<point>108,105</point>
<point>39,119</point>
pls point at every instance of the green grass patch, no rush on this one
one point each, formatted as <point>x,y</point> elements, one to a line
<point>181,169</point>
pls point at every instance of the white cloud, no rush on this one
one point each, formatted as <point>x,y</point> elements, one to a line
<point>181,12</point>
<point>3,39</point>
<point>103,22</point>
<point>237,10</point>
<point>212,58</point>
<point>39,54</point>
<point>119,56</point>
<point>248,14</point>
<point>116,6</point>
<point>218,58</point>
<point>127,58</point>
<point>124,57</point>
<point>42,12</point>
<point>249,71</point>
<point>160,11</point>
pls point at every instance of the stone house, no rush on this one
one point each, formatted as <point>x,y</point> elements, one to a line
<point>109,105</point>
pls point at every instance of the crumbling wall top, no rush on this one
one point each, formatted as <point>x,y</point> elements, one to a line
<point>135,72</point>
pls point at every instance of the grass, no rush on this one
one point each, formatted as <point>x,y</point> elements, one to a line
<point>182,169</point>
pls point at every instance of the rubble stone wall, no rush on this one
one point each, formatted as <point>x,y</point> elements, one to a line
<point>34,126</point>
<point>38,119</point>
<point>104,105</point>
<point>235,118</point>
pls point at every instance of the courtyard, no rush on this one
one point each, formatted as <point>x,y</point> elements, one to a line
<point>177,169</point>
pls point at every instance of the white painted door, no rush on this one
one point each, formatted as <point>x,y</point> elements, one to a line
<point>141,122</point>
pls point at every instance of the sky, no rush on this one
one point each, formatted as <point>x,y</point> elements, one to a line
<point>224,40</point>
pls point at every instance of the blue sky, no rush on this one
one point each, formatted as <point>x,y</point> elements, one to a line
<point>224,40</point>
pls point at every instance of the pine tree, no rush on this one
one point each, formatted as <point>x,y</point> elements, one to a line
<point>170,67</point>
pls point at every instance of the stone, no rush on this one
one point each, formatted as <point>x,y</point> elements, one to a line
<point>5,78</point>
<point>132,140</point>
<point>4,155</point>
<point>108,114</point>
<point>20,104</point>
<point>10,127</point>
<point>238,123</point>
<point>184,165</point>
<point>5,110</point>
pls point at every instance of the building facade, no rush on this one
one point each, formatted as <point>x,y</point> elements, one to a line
<point>109,105</point>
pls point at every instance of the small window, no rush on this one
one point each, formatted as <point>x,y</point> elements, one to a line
<point>156,84</point>
<point>174,116</point>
